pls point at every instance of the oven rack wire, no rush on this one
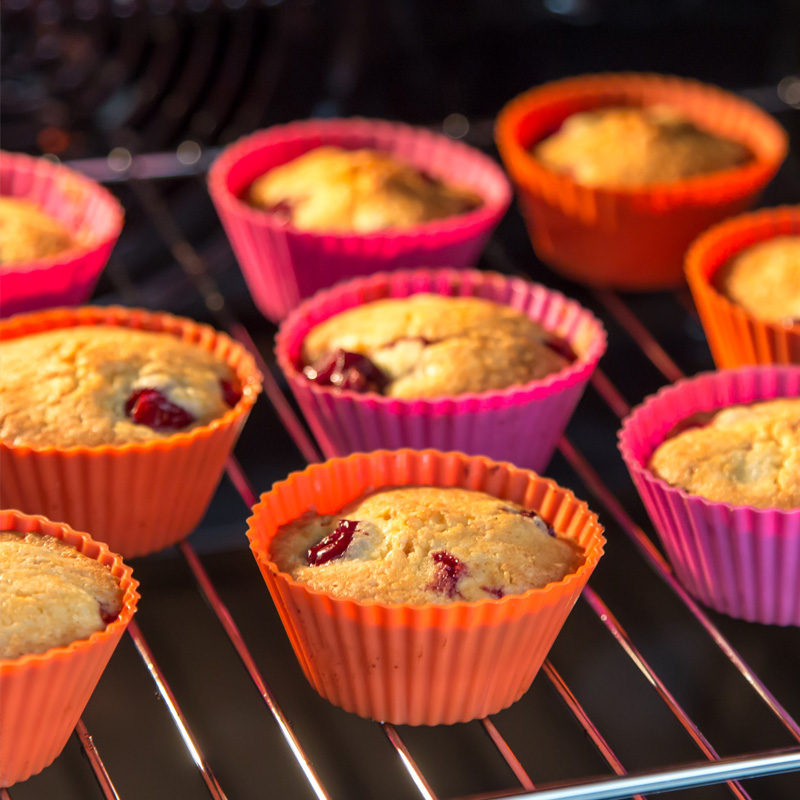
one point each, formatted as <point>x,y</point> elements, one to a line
<point>145,175</point>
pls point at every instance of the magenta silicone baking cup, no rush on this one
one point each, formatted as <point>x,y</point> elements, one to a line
<point>740,560</point>
<point>521,424</point>
<point>282,265</point>
<point>86,209</point>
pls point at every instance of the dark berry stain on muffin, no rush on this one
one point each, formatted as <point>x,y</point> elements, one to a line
<point>562,347</point>
<point>346,370</point>
<point>494,591</point>
<point>447,572</point>
<point>150,407</point>
<point>230,394</point>
<point>538,521</point>
<point>334,545</point>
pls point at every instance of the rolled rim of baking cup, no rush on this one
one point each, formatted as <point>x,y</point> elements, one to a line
<point>397,696</point>
<point>721,112</point>
<point>232,352</point>
<point>245,160</point>
<point>546,306</point>
<point>12,520</point>
<point>736,336</point>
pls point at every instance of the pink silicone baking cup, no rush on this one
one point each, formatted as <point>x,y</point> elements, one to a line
<point>42,696</point>
<point>521,424</point>
<point>282,264</point>
<point>740,560</point>
<point>85,208</point>
<point>428,664</point>
<point>138,497</point>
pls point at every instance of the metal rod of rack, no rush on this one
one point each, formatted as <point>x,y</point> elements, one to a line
<point>103,778</point>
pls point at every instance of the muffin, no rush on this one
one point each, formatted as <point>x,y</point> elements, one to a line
<point>420,662</point>
<point>412,376</point>
<point>65,601</point>
<point>284,261</point>
<point>119,420</point>
<point>745,455</point>
<point>745,280</point>
<point>57,230</point>
<point>626,227</point>
<point>427,346</point>
<point>28,234</point>
<point>628,146</point>
<point>359,191</point>
<point>424,544</point>
<point>732,529</point>
<point>108,385</point>
<point>51,594</point>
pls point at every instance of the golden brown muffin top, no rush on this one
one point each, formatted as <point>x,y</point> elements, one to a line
<point>747,455</point>
<point>50,594</point>
<point>28,234</point>
<point>764,279</point>
<point>630,147</point>
<point>358,191</point>
<point>424,544</point>
<point>431,345</point>
<point>89,385</point>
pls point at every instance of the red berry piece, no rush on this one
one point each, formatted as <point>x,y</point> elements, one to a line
<point>283,209</point>
<point>333,545</point>
<point>562,347</point>
<point>494,591</point>
<point>447,572</point>
<point>346,370</point>
<point>150,407</point>
<point>540,523</point>
<point>229,394</point>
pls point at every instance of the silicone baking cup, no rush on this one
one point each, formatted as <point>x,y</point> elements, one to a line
<point>283,265</point>
<point>42,696</point>
<point>85,208</point>
<point>735,336</point>
<point>630,238</point>
<point>740,560</point>
<point>521,424</point>
<point>426,664</point>
<point>137,497</point>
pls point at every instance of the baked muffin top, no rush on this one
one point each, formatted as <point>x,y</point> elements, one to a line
<point>50,594</point>
<point>28,234</point>
<point>764,279</point>
<point>423,544</point>
<point>746,455</point>
<point>430,345</point>
<point>94,385</point>
<point>358,191</point>
<point>630,146</point>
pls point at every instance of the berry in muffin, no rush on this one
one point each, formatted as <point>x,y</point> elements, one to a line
<point>28,234</point>
<point>429,345</point>
<point>356,191</point>
<point>629,147</point>
<point>424,544</point>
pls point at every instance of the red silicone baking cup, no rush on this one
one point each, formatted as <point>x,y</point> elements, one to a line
<point>521,424</point>
<point>85,208</point>
<point>282,264</point>
<point>42,696</point>
<point>740,560</point>
<point>427,664</point>
<point>631,238</point>
<point>137,497</point>
<point>736,337</point>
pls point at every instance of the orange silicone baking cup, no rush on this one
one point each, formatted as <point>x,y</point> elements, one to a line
<point>42,696</point>
<point>137,497</point>
<point>421,664</point>
<point>735,336</point>
<point>631,238</point>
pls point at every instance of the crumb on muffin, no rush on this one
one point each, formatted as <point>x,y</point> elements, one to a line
<point>28,234</point>
<point>359,191</point>
<point>423,544</point>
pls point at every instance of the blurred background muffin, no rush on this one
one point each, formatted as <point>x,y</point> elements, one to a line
<point>28,234</point>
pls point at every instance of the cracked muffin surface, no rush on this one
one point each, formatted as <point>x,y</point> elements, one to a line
<point>358,191</point>
<point>746,455</point>
<point>431,345</point>
<point>86,386</point>
<point>50,594</point>
<point>28,234</point>
<point>627,146</point>
<point>422,544</point>
<point>764,279</point>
